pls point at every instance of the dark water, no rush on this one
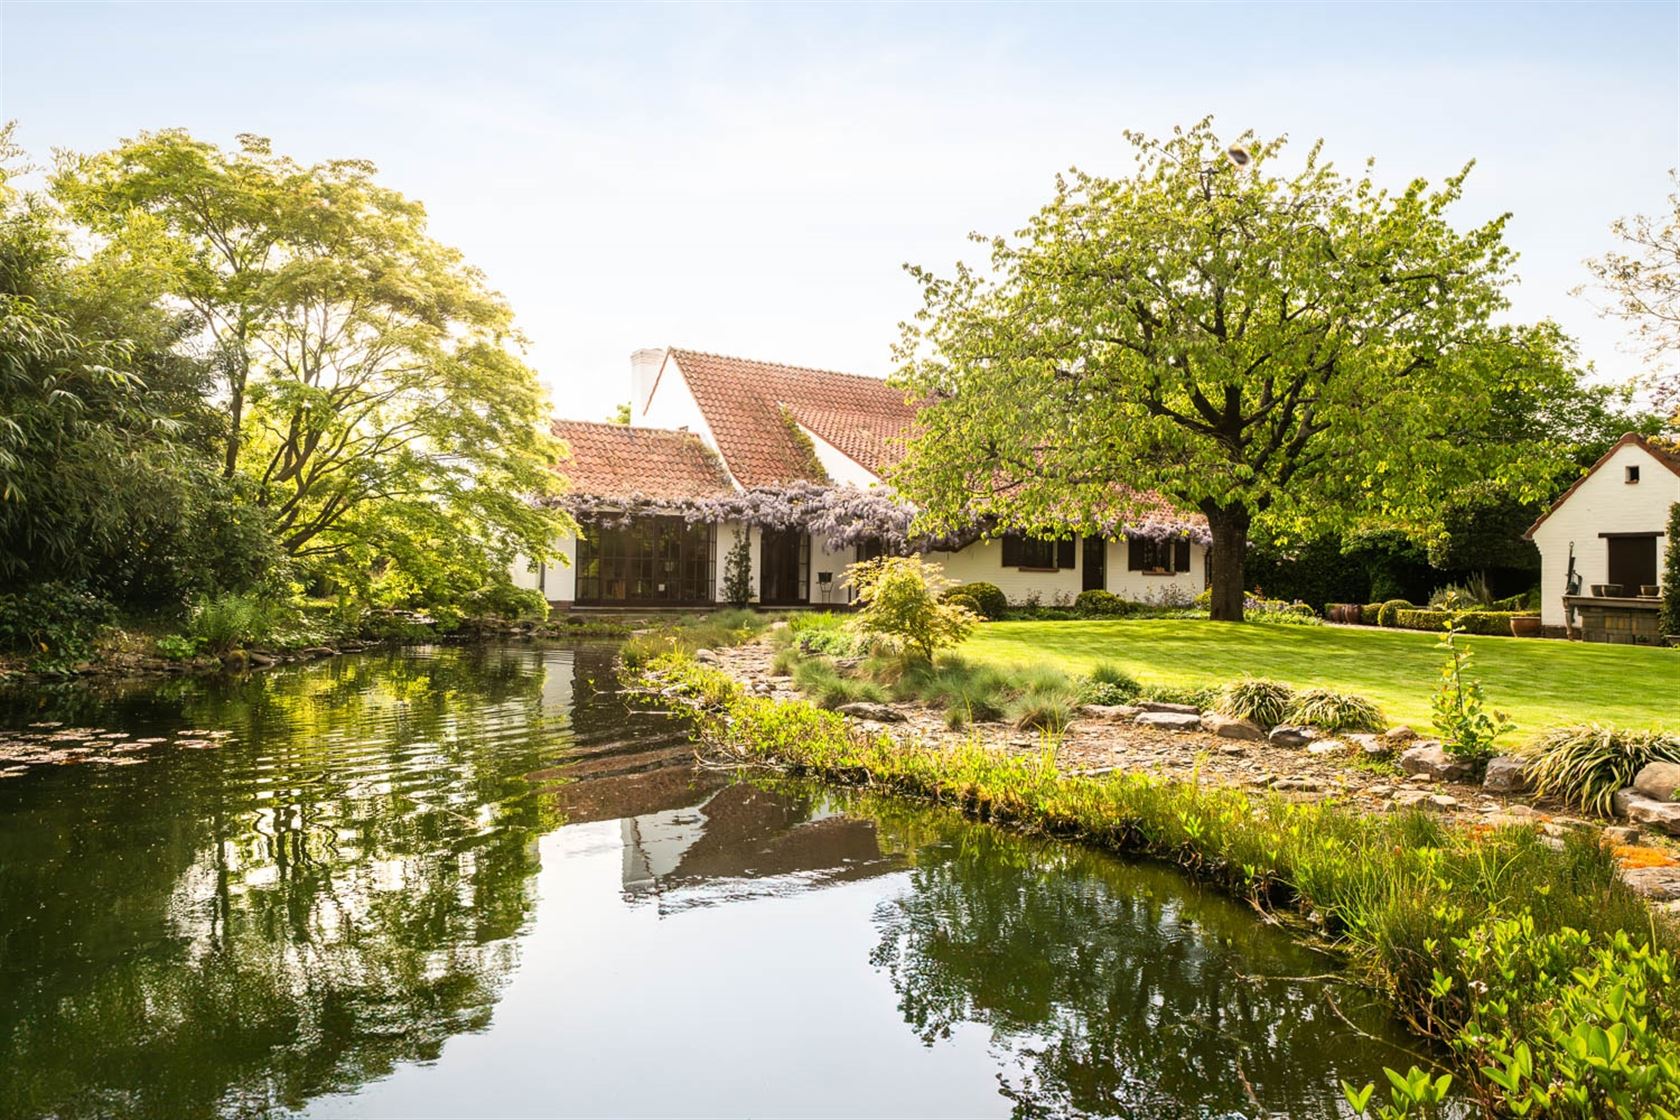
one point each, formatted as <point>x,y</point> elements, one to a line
<point>471,882</point>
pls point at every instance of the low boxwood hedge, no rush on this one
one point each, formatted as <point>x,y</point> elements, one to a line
<point>993,603</point>
<point>1491,623</point>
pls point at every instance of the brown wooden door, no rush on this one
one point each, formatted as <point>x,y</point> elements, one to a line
<point>1633,561</point>
<point>1094,576</point>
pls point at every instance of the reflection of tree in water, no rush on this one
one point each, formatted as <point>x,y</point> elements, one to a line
<point>1109,989</point>
<point>227,931</point>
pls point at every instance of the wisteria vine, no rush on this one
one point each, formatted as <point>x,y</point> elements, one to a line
<point>841,516</point>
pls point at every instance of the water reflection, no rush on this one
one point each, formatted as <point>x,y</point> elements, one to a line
<point>472,881</point>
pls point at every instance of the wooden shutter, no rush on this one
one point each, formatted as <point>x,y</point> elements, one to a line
<point>1181,556</point>
<point>1012,550</point>
<point>1064,553</point>
<point>1134,554</point>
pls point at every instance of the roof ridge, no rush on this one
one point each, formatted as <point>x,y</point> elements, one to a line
<point>779,365</point>
<point>609,425</point>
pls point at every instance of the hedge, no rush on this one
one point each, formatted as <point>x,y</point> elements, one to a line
<point>1491,623</point>
<point>992,602</point>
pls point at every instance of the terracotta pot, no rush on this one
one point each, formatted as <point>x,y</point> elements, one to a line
<point>1525,626</point>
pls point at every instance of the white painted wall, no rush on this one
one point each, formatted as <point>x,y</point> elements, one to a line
<point>1604,503</point>
<point>559,581</point>
<point>983,561</point>
<point>840,467</point>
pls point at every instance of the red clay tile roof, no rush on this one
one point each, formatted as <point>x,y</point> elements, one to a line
<point>744,402</point>
<point>1657,452</point>
<point>614,460</point>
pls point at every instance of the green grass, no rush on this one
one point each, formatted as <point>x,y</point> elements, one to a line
<point>1540,683</point>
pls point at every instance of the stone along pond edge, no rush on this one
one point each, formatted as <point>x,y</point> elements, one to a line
<point>1409,902</point>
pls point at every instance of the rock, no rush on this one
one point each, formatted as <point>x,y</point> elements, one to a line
<point>320,651</point>
<point>706,657</point>
<point>1399,736</point>
<point>1172,721</point>
<point>1372,746</point>
<point>875,713</point>
<point>1660,884</point>
<point>1506,774</point>
<point>1327,746</point>
<point>1109,711</point>
<point>1442,801</point>
<point>1233,750</point>
<point>1436,763</point>
<point>1163,706</point>
<point>1658,780</point>
<point>1408,799</point>
<point>1635,806</point>
<point>1297,785</point>
<point>264,660</point>
<point>1228,727</point>
<point>1621,834</point>
<point>1285,735</point>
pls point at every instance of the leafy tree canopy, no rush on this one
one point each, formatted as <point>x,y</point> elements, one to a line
<point>1298,348</point>
<point>375,405</point>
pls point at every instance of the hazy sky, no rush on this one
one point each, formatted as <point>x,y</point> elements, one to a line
<point>750,179</point>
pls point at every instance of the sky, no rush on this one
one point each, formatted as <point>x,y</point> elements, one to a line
<point>750,180</point>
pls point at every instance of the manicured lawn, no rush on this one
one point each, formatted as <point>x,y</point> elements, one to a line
<point>1539,682</point>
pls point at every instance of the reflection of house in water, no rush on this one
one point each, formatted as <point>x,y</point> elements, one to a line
<point>694,837</point>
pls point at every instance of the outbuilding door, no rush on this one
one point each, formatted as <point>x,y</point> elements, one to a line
<point>1633,561</point>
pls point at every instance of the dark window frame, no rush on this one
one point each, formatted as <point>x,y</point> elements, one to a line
<point>1157,557</point>
<point>1032,554</point>
<point>653,561</point>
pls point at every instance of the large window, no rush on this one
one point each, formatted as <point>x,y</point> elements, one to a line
<point>1145,555</point>
<point>652,561</point>
<point>1633,560</point>
<point>1028,552</point>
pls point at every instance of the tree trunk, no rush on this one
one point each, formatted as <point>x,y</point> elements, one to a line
<point>238,365</point>
<point>1229,526</point>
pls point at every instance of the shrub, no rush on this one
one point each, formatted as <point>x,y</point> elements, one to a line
<point>900,603</point>
<point>966,601</point>
<point>1368,614</point>
<point>55,623</point>
<point>737,569</point>
<point>227,622</point>
<point>1467,729</point>
<point>1585,765</point>
<point>504,600</point>
<point>1201,696</point>
<point>834,643</point>
<point>1109,684</point>
<point>1668,621</point>
<point>1266,702</point>
<point>1100,604</point>
<point>177,647</point>
<point>992,602</point>
<point>1388,613</point>
<point>1472,594</point>
<point>1334,711</point>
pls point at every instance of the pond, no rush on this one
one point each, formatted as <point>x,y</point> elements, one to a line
<point>478,881</point>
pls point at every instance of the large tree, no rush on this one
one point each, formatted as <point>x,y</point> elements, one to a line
<point>1294,346</point>
<point>1642,281</point>
<point>376,406</point>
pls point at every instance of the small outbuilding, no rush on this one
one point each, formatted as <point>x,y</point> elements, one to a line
<point>1602,545</point>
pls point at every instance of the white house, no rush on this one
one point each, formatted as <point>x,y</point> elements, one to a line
<point>1602,544</point>
<point>716,450</point>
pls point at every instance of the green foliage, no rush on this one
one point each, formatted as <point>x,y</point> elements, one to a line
<point>1389,613</point>
<point>900,603</point>
<point>1416,907</point>
<point>1467,728</point>
<point>1669,621</point>
<point>691,633</point>
<point>964,600</point>
<point>1137,320</point>
<point>1315,571</point>
<point>232,621</point>
<point>1586,764</point>
<point>1108,683</point>
<point>832,642</point>
<point>1473,594</point>
<point>1334,711</point>
<point>1100,603</point>
<point>1199,696</point>
<point>502,599</point>
<point>818,678</point>
<point>1049,712</point>
<point>55,624</point>
<point>369,399</point>
<point>1488,623</point>
<point>1266,702</point>
<point>179,647</point>
<point>993,604</point>
<point>737,569</point>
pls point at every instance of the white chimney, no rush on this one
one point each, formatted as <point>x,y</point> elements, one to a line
<point>644,369</point>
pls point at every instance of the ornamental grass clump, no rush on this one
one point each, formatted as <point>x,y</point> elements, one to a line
<point>1585,765</point>
<point>1333,711</point>
<point>823,683</point>
<point>1108,683</point>
<point>1265,702</point>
